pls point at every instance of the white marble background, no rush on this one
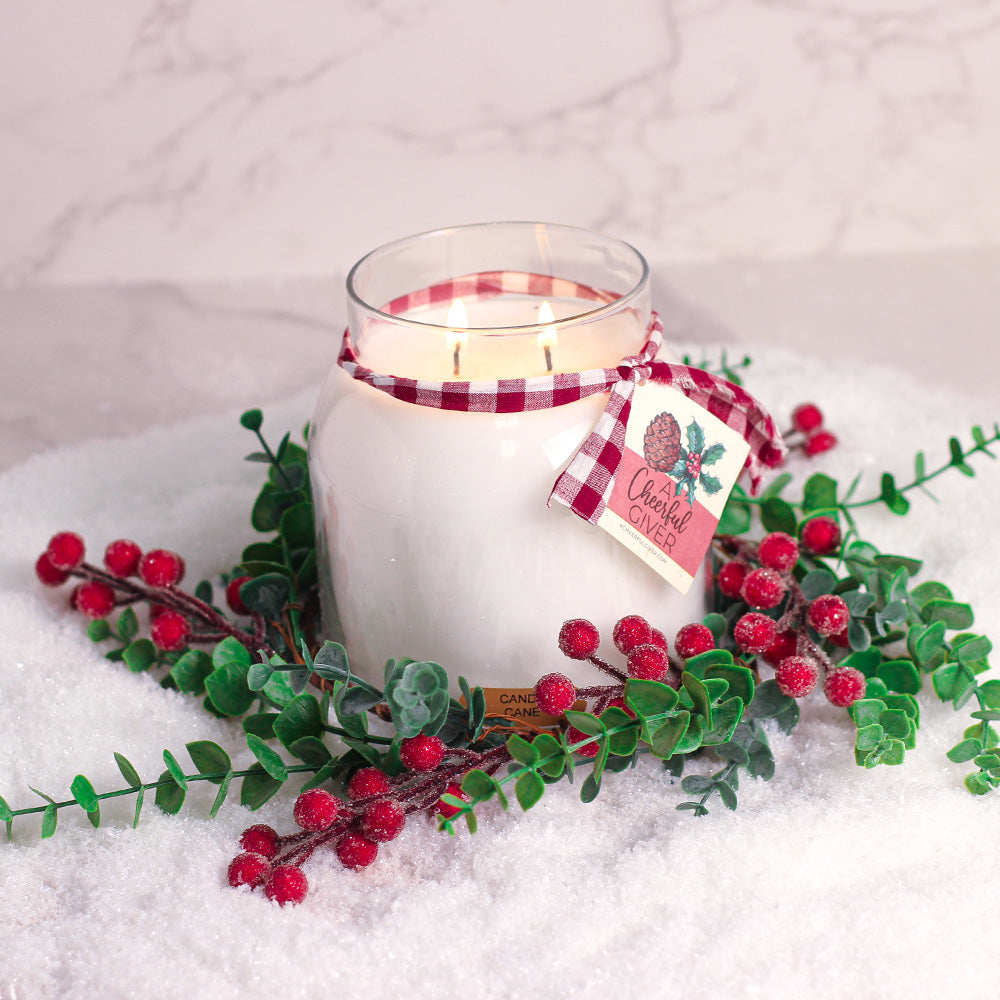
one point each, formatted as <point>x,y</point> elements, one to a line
<point>212,140</point>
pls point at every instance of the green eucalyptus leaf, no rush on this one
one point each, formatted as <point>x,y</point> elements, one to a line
<point>817,583</point>
<point>127,625</point>
<point>169,794</point>
<point>819,493</point>
<point>900,675</point>
<point>176,771</point>
<point>529,788</point>
<point>139,655</point>
<point>269,759</point>
<point>129,773</point>
<point>267,594</point>
<point>190,671</point>
<point>50,819</point>
<point>208,758</point>
<point>311,749</point>
<point>668,736</point>
<point>221,795</point>
<point>300,717</point>
<point>98,630</point>
<point>83,792</point>
<point>521,750</point>
<point>777,515</point>
<point>953,614</point>
<point>227,688</point>
<point>258,786</point>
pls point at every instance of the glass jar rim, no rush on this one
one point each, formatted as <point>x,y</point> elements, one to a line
<point>623,301</point>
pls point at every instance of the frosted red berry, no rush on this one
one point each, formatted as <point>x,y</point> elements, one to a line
<point>287,884</point>
<point>248,868</point>
<point>316,810</point>
<point>579,638</point>
<point>763,588</point>
<point>693,639</point>
<point>648,663</point>
<point>367,782</point>
<point>260,839</point>
<point>807,417</point>
<point>161,568</point>
<point>754,632</point>
<point>233,598</point>
<point>574,735</point>
<point>797,676</point>
<point>170,631</point>
<point>383,821</point>
<point>48,574</point>
<point>819,442</point>
<point>828,614</point>
<point>121,558</point>
<point>841,640</point>
<point>356,852</point>
<point>65,550</point>
<point>844,686</point>
<point>554,693</point>
<point>94,598</point>
<point>629,632</point>
<point>730,578</point>
<point>778,551</point>
<point>821,535</point>
<point>784,645</point>
<point>421,753</point>
<point>658,639</point>
<point>446,809</point>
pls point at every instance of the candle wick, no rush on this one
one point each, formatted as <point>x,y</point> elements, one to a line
<point>548,358</point>
<point>455,357</point>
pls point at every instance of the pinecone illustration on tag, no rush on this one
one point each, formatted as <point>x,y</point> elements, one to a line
<point>663,451</point>
<point>661,444</point>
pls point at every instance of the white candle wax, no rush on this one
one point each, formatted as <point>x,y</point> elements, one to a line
<point>435,522</point>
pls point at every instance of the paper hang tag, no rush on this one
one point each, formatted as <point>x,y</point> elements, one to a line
<point>679,466</point>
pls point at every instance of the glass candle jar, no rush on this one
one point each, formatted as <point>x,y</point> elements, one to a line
<point>435,540</point>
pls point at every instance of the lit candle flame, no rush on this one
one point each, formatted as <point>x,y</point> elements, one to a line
<point>547,338</point>
<point>457,338</point>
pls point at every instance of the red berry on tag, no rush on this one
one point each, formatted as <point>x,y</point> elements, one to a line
<point>821,535</point>
<point>778,551</point>
<point>355,851</point>
<point>579,639</point>
<point>844,686</point>
<point>248,869</point>
<point>763,588</point>
<point>161,568</point>
<point>754,632</point>
<point>368,781</point>
<point>48,574</point>
<point>94,598</point>
<point>828,614</point>
<point>631,631</point>
<point>693,639</point>
<point>65,550</point>
<point>446,809</point>
<point>316,810</point>
<point>287,884</point>
<point>819,442</point>
<point>730,578</point>
<point>170,631</point>
<point>797,676</point>
<point>807,417</point>
<point>260,839</point>
<point>233,598</point>
<point>648,663</point>
<point>121,558</point>
<point>421,753</point>
<point>554,693</point>
<point>383,821</point>
<point>784,645</point>
<point>574,735</point>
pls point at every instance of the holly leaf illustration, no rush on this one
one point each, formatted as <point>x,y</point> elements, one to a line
<point>696,436</point>
<point>713,454</point>
<point>679,471</point>
<point>710,484</point>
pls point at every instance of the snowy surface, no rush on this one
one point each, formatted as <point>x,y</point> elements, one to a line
<point>828,881</point>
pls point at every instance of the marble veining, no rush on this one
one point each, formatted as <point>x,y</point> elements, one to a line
<point>196,139</point>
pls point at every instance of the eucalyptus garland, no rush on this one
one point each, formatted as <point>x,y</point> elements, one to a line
<point>810,598</point>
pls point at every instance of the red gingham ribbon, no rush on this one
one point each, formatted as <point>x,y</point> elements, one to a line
<point>586,484</point>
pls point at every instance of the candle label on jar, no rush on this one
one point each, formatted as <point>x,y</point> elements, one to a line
<point>519,704</point>
<point>679,465</point>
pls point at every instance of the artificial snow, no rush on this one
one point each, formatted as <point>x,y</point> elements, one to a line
<point>828,881</point>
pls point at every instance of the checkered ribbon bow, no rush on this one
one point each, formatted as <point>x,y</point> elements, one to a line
<point>586,484</point>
